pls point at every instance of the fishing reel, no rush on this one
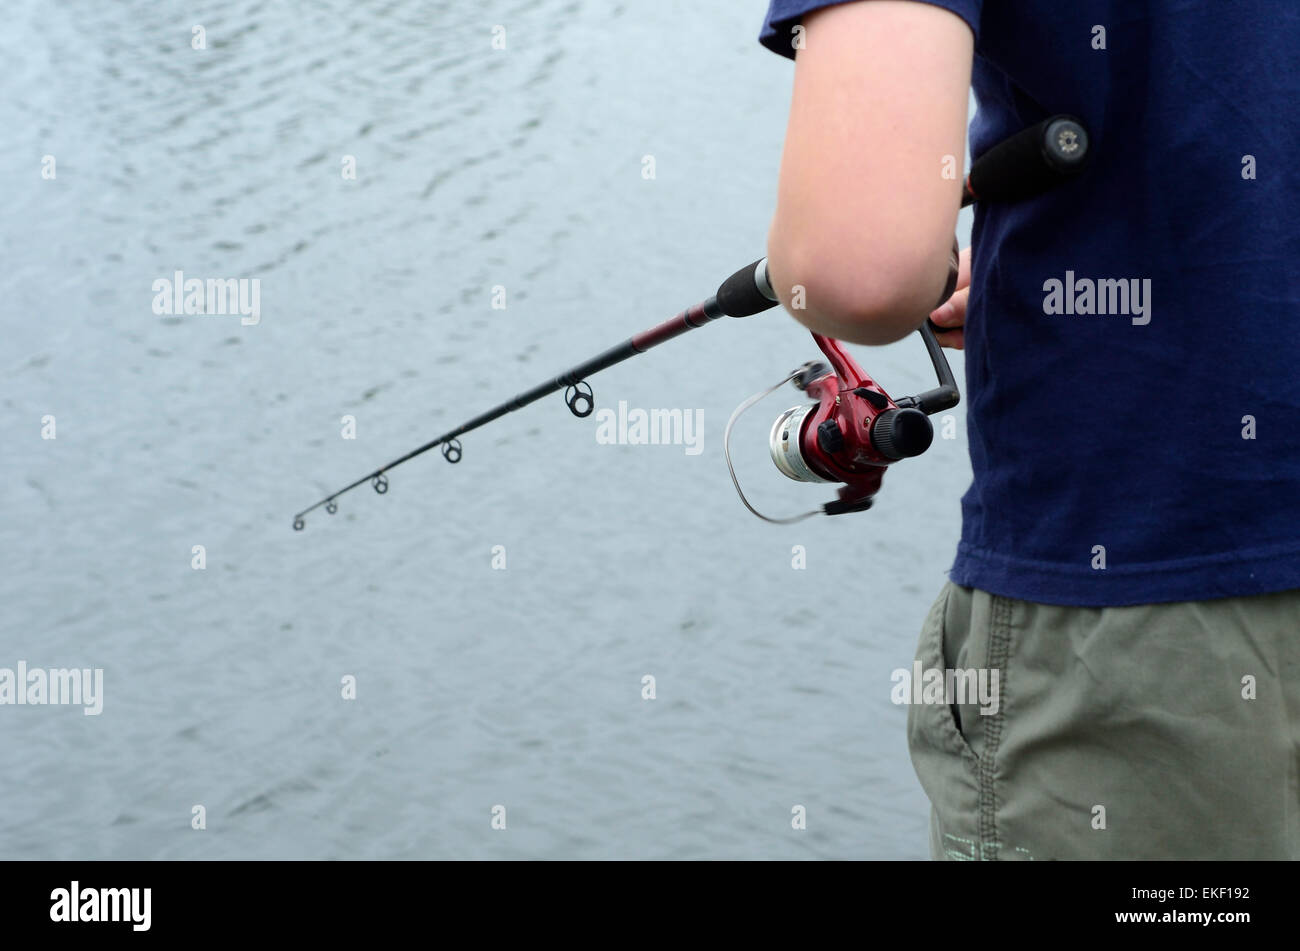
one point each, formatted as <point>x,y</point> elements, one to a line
<point>851,432</point>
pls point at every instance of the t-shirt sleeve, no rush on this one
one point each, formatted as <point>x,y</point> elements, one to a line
<point>782,15</point>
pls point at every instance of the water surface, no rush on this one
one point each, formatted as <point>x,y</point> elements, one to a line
<point>476,167</point>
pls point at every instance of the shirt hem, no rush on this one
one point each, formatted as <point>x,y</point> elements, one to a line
<point>1228,576</point>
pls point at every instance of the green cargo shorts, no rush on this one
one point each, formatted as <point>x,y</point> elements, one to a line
<point>1162,731</point>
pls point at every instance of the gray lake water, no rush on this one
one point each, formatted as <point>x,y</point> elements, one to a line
<point>475,686</point>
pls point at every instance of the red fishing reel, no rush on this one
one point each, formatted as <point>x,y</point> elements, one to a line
<point>852,432</point>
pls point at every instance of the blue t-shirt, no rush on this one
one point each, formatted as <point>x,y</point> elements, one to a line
<point>1150,453</point>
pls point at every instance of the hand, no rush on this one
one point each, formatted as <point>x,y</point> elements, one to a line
<point>950,316</point>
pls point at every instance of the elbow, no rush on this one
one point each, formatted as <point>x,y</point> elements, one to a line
<point>858,292</point>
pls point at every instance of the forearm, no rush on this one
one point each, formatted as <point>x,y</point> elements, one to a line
<point>847,307</point>
<point>869,187</point>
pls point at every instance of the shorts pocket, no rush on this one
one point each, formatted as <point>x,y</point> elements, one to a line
<point>933,726</point>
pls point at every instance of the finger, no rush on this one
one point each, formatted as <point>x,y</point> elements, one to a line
<point>952,312</point>
<point>963,279</point>
<point>952,339</point>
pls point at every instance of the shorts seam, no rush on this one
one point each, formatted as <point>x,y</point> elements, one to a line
<point>999,651</point>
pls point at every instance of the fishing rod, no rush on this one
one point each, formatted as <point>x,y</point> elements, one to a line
<point>854,430</point>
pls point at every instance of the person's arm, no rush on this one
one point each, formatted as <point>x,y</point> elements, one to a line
<point>865,217</point>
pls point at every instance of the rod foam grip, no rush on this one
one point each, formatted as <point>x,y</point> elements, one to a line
<point>740,294</point>
<point>1031,161</point>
